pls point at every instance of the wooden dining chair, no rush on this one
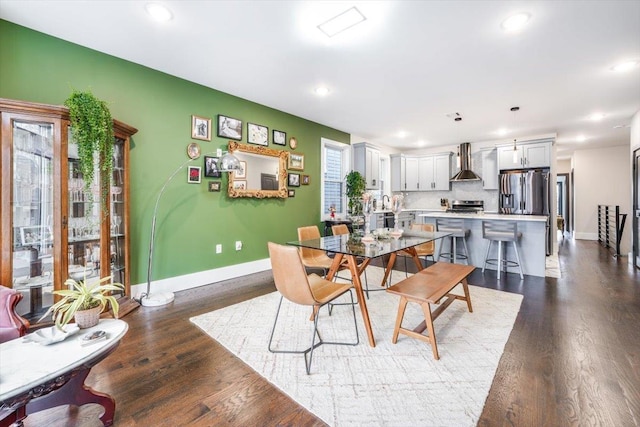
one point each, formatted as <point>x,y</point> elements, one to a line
<point>315,258</point>
<point>295,285</point>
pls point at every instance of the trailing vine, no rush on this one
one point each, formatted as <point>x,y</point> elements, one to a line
<point>92,129</point>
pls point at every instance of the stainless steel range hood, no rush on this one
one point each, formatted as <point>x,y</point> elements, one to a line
<point>465,174</point>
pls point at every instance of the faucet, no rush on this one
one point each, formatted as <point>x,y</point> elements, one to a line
<point>384,205</point>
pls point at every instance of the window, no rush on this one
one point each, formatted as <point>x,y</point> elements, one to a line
<point>335,160</point>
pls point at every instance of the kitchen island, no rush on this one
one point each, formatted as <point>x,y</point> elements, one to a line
<point>532,244</point>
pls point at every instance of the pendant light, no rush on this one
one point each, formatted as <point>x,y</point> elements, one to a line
<point>515,148</point>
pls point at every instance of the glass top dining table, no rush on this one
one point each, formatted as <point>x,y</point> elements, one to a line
<point>353,246</point>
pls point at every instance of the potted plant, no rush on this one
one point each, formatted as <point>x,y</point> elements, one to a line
<point>92,131</point>
<point>84,300</point>
<point>356,185</point>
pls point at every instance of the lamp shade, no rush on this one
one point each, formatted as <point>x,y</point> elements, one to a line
<point>229,162</point>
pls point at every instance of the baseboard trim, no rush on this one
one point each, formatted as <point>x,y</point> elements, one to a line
<point>201,278</point>
<point>586,236</point>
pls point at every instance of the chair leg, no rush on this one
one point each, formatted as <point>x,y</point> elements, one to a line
<point>314,344</point>
<point>515,247</point>
<point>454,249</point>
<point>466,251</point>
<point>486,256</point>
<point>500,266</point>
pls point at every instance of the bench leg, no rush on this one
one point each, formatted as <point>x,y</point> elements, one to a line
<point>396,329</point>
<point>432,335</point>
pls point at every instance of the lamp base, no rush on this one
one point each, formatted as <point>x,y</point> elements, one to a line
<point>157,299</point>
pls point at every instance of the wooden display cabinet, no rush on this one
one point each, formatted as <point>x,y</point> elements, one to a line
<point>51,229</point>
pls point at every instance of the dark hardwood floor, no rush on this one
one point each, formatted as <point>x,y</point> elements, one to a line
<point>573,357</point>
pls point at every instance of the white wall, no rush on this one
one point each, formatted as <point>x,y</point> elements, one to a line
<point>563,166</point>
<point>602,177</point>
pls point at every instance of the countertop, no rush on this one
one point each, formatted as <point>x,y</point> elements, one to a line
<point>491,216</point>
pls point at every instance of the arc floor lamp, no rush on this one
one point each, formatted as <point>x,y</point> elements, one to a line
<point>226,163</point>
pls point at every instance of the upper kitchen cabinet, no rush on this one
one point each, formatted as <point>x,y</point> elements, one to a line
<point>420,173</point>
<point>490,170</point>
<point>366,160</point>
<point>528,155</point>
<point>398,172</point>
<point>52,226</point>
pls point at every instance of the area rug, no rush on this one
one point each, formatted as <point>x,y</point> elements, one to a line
<point>387,385</point>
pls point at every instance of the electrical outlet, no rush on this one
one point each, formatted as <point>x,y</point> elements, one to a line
<point>218,248</point>
<point>238,245</point>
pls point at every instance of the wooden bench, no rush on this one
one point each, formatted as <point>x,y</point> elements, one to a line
<point>427,287</point>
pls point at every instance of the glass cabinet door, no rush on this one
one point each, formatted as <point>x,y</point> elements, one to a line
<point>118,215</point>
<point>32,214</point>
<point>84,221</point>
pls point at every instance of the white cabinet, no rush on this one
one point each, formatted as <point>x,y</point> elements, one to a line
<point>405,219</point>
<point>442,172</point>
<point>490,169</point>
<point>420,173</point>
<point>366,160</point>
<point>412,174</point>
<point>398,172</point>
<point>533,155</point>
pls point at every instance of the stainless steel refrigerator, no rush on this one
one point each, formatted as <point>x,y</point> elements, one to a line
<point>526,193</point>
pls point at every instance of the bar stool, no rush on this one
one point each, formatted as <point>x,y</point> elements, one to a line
<point>501,231</point>
<point>456,227</point>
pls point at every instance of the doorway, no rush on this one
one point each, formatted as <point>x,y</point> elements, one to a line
<point>564,202</point>
<point>636,208</point>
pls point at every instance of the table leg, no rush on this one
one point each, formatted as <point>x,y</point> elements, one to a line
<point>353,267</point>
<point>387,271</point>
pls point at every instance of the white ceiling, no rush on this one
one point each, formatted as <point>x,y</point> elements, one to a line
<point>405,68</point>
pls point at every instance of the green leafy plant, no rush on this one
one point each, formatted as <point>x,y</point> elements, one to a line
<point>83,295</point>
<point>92,130</point>
<point>356,185</point>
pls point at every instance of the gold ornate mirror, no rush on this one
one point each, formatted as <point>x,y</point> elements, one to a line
<point>264,172</point>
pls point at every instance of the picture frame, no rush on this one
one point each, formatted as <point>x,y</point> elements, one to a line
<point>193,150</point>
<point>239,184</point>
<point>305,179</point>
<point>242,172</point>
<point>194,175</point>
<point>200,128</point>
<point>293,180</point>
<point>291,193</point>
<point>296,161</point>
<point>31,234</point>
<point>211,169</point>
<point>214,185</point>
<point>228,127</point>
<point>279,137</point>
<point>257,134</point>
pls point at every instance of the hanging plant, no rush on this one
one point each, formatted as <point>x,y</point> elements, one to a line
<point>92,130</point>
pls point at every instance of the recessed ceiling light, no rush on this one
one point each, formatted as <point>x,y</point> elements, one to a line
<point>420,143</point>
<point>516,22</point>
<point>402,134</point>
<point>341,22</point>
<point>581,138</point>
<point>502,132</point>
<point>596,117</point>
<point>625,66</point>
<point>322,91</point>
<point>159,12</point>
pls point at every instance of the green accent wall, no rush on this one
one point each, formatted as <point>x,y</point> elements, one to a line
<point>191,221</point>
